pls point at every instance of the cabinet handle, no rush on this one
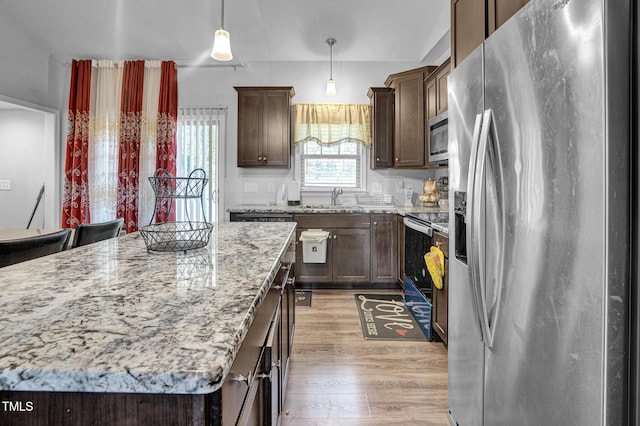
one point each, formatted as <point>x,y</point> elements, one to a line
<point>396,159</point>
<point>335,236</point>
<point>291,281</point>
<point>264,376</point>
<point>377,158</point>
<point>375,223</point>
<point>242,378</point>
<point>277,287</point>
<point>260,158</point>
<point>264,158</point>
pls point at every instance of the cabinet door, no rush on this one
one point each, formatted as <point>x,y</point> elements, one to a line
<point>501,10</point>
<point>384,248</point>
<point>312,272</point>
<point>276,144</point>
<point>250,127</point>
<point>350,249</point>
<point>441,296</point>
<point>400,262</point>
<point>441,306</point>
<point>431,99</point>
<point>431,103</point>
<point>441,85</point>
<point>409,139</point>
<point>382,119</point>
<point>468,28</point>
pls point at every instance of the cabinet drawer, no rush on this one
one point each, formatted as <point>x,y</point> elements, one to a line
<point>444,242</point>
<point>313,220</point>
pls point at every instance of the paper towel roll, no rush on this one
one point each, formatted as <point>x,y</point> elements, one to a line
<point>293,189</point>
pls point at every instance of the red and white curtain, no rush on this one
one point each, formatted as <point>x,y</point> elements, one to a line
<point>122,127</point>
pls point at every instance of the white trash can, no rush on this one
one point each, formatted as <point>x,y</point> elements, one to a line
<point>314,245</point>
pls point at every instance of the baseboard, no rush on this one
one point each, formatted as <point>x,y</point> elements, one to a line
<point>347,286</point>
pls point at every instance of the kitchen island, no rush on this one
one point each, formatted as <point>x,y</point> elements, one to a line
<point>110,333</point>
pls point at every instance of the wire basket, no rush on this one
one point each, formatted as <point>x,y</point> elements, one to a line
<point>165,185</point>
<point>375,200</point>
<point>176,236</point>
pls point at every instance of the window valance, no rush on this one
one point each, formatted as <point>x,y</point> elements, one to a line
<point>332,123</point>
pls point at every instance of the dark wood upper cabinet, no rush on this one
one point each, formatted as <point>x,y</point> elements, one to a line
<point>409,137</point>
<point>499,11</point>
<point>382,118</point>
<point>441,74</point>
<point>264,126</point>
<point>468,29</point>
<point>472,21</point>
<point>437,98</point>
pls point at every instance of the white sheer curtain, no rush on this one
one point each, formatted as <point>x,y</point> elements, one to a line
<point>200,136</point>
<point>150,97</point>
<point>103,146</point>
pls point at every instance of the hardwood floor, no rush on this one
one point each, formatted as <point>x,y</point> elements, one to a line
<point>336,377</point>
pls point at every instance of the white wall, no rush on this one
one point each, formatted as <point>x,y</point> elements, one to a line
<point>214,86</point>
<point>23,161</point>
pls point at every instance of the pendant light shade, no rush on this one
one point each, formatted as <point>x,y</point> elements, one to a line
<point>331,87</point>
<point>222,42</point>
<point>331,84</point>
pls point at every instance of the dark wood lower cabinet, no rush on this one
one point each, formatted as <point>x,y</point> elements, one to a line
<point>362,249</point>
<point>384,248</point>
<point>441,296</point>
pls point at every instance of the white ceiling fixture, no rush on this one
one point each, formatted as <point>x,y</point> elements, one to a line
<point>221,43</point>
<point>331,84</point>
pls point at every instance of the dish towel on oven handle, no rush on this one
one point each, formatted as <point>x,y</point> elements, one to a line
<point>434,260</point>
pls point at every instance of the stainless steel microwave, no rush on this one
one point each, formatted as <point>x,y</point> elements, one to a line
<point>439,138</point>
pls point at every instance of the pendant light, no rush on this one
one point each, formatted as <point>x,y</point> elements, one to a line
<point>331,84</point>
<point>221,43</point>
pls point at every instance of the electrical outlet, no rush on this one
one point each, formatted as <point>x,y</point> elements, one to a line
<point>399,186</point>
<point>376,187</point>
<point>251,187</point>
<point>271,187</point>
<point>5,185</point>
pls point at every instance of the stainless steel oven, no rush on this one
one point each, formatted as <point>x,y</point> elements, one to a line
<point>439,138</point>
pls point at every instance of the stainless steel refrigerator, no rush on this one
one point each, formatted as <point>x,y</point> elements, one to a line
<point>539,119</point>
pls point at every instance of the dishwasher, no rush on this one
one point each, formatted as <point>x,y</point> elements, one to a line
<point>260,217</point>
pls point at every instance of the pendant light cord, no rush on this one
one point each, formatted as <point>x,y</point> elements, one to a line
<point>222,19</point>
<point>331,41</point>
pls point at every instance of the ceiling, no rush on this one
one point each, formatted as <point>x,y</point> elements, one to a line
<point>261,30</point>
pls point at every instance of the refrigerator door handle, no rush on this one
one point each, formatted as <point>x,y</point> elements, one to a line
<point>472,221</point>
<point>489,155</point>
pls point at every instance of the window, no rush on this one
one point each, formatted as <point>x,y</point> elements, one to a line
<point>199,134</point>
<point>339,164</point>
<point>331,142</point>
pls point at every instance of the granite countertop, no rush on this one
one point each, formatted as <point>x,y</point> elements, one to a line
<point>340,208</point>
<point>112,317</point>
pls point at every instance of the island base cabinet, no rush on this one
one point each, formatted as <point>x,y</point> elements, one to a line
<point>251,394</point>
<point>106,409</point>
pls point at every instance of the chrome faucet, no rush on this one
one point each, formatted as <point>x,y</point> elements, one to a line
<point>334,195</point>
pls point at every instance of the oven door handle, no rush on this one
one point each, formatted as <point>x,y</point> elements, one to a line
<point>423,229</point>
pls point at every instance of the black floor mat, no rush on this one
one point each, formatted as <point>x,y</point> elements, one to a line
<point>303,298</point>
<point>386,317</point>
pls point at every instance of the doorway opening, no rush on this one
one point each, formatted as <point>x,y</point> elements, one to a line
<point>29,160</point>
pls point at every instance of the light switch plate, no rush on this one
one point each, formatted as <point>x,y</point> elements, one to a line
<point>5,185</point>
<point>251,187</point>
